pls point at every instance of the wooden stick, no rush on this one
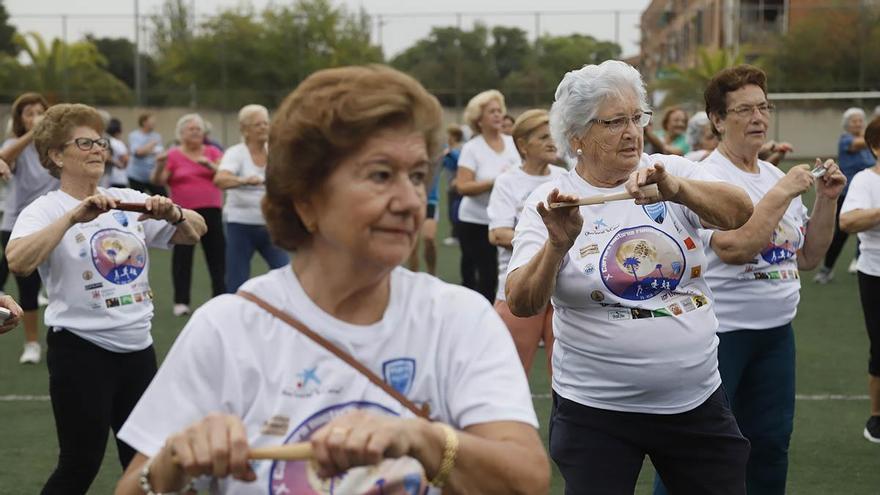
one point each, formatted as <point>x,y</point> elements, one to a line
<point>138,207</point>
<point>292,452</point>
<point>650,190</point>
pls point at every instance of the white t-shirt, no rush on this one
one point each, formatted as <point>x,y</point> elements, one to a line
<point>437,343</point>
<point>487,164</point>
<point>118,176</point>
<point>243,202</point>
<point>505,203</point>
<point>633,318</point>
<point>764,293</point>
<point>97,276</point>
<point>863,194</point>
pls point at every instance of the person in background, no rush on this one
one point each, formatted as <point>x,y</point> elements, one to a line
<point>773,152</point>
<point>428,234</point>
<point>454,140</point>
<point>531,133</point>
<point>671,139</point>
<point>350,151</point>
<point>860,214</point>
<point>210,141</point>
<point>507,124</point>
<point>700,137</point>
<point>853,156</point>
<point>242,174</point>
<point>118,154</point>
<point>483,158</point>
<point>189,171</point>
<point>754,270</point>
<point>145,145</point>
<point>30,181</point>
<point>100,355</point>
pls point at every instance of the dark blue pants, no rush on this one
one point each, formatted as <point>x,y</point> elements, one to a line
<point>601,452</point>
<point>242,241</point>
<point>757,369</point>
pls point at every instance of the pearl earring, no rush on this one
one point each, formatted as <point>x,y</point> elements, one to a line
<point>580,152</point>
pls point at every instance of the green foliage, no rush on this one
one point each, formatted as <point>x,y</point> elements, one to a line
<point>119,53</point>
<point>686,85</point>
<point>7,31</point>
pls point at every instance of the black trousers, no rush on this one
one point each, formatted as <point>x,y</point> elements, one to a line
<point>147,187</point>
<point>479,259</point>
<point>92,390</point>
<point>214,246</point>
<point>601,452</point>
<point>28,287</point>
<point>869,291</point>
<point>839,238</point>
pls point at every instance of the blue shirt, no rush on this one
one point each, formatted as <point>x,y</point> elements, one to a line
<point>852,162</point>
<point>140,167</point>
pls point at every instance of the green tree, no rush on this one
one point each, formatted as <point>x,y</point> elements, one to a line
<point>7,33</point>
<point>119,53</point>
<point>686,85</point>
<point>68,71</point>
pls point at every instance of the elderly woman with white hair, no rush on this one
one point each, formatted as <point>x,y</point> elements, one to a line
<point>188,171</point>
<point>482,159</point>
<point>700,137</point>
<point>635,370</point>
<point>242,174</point>
<point>853,156</point>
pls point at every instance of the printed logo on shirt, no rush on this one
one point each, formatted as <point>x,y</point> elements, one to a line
<point>309,384</point>
<point>641,262</point>
<point>689,243</point>
<point>94,286</point>
<point>119,256</point>
<point>120,217</point>
<point>112,302</point>
<point>126,299</point>
<point>588,250</point>
<point>276,425</point>
<point>87,275</point>
<point>619,314</point>
<point>600,227</point>
<point>784,243</point>
<point>589,269</point>
<point>403,476</point>
<point>656,211</point>
<point>696,271</point>
<point>597,296</point>
<point>399,373</point>
<point>80,237</point>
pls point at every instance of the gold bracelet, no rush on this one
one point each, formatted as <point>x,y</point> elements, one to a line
<point>450,452</point>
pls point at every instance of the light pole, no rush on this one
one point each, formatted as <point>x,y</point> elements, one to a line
<point>138,87</point>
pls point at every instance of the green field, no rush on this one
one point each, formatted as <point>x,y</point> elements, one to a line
<point>828,453</point>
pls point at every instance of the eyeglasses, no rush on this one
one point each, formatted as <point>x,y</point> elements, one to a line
<point>745,111</point>
<point>86,144</point>
<point>617,124</point>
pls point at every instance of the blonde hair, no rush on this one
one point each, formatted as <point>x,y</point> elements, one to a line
<point>246,111</point>
<point>526,124</point>
<point>474,109</point>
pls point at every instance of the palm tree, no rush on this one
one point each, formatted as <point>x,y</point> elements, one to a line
<point>686,85</point>
<point>632,263</point>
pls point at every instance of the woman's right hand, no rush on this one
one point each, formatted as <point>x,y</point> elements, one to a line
<point>91,207</point>
<point>563,224</point>
<point>796,181</point>
<point>216,446</point>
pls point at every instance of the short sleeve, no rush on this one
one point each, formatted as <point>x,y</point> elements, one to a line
<point>468,157</point>
<point>858,197</point>
<point>32,219</point>
<point>531,233</point>
<point>197,377</point>
<point>502,204</point>
<point>484,381</point>
<point>232,161</point>
<point>682,167</point>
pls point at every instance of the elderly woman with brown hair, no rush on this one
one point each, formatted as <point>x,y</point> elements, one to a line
<point>482,159</point>
<point>350,154</point>
<point>634,357</point>
<point>94,260</point>
<point>29,182</point>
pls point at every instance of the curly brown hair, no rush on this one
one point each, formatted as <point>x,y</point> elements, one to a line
<point>18,107</point>
<point>727,81</point>
<point>328,117</point>
<point>57,125</point>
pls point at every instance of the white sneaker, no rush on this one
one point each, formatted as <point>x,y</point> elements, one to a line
<point>31,354</point>
<point>180,310</point>
<point>853,266</point>
<point>450,241</point>
<point>823,276</point>
<point>42,299</point>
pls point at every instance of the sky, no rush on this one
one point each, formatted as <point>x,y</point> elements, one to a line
<point>404,22</point>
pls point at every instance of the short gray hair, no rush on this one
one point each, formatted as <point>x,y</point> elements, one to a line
<point>696,124</point>
<point>850,113</point>
<point>582,91</point>
<point>248,110</point>
<point>181,123</point>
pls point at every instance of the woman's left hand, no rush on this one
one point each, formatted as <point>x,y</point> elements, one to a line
<point>160,208</point>
<point>362,439</point>
<point>831,184</point>
<point>668,184</point>
<point>9,303</point>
